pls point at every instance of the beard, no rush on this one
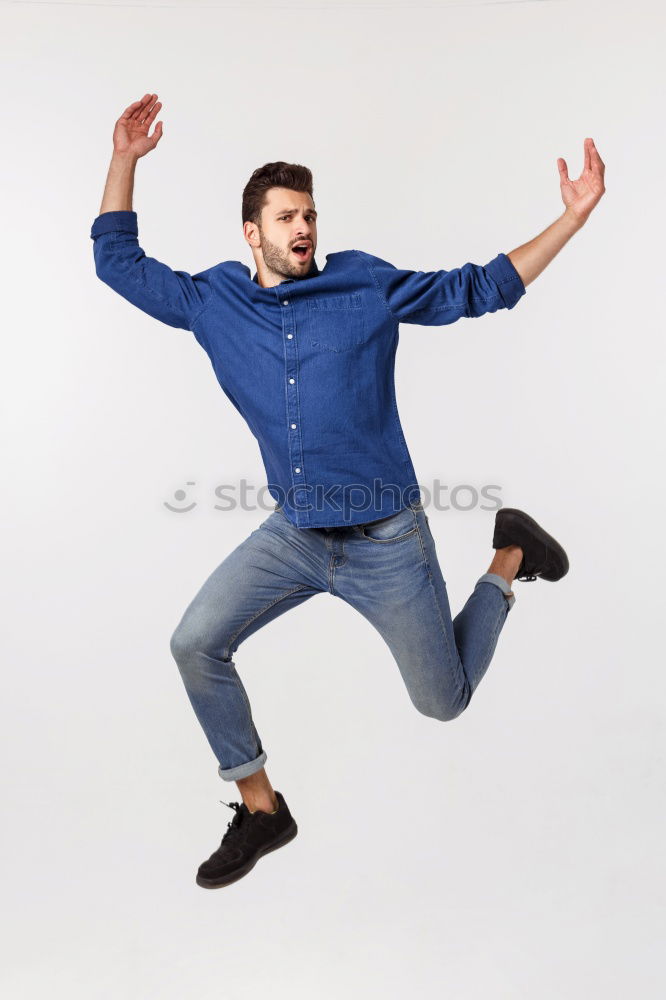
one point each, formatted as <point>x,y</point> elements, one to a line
<point>277,260</point>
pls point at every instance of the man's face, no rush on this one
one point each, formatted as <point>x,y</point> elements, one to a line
<point>287,219</point>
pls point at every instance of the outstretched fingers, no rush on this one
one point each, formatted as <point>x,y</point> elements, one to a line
<point>136,111</point>
<point>151,117</point>
<point>592,162</point>
<point>141,112</point>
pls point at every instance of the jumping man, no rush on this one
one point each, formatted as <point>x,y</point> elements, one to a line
<point>307,357</point>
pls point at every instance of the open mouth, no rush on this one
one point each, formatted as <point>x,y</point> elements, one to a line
<point>301,250</point>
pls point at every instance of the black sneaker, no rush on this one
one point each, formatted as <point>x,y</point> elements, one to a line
<point>249,836</point>
<point>542,555</point>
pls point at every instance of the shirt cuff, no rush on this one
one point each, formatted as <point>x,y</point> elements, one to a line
<point>510,283</point>
<point>115,222</point>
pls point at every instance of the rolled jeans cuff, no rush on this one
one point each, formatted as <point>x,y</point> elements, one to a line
<point>243,770</point>
<point>500,582</point>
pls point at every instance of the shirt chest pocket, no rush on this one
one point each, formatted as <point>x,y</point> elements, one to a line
<point>335,322</point>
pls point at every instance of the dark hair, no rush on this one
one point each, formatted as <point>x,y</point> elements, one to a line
<point>278,174</point>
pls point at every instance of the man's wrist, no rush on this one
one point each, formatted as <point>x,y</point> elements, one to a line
<point>119,184</point>
<point>573,221</point>
<point>124,160</point>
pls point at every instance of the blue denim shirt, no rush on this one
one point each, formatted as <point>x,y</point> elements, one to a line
<point>309,363</point>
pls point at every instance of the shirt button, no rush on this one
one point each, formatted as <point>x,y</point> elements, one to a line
<point>293,427</point>
<point>289,336</point>
<point>297,470</point>
<point>291,381</point>
<point>285,302</point>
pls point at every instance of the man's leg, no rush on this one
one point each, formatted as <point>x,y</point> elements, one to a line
<point>258,581</point>
<point>257,792</point>
<point>506,562</point>
<point>391,575</point>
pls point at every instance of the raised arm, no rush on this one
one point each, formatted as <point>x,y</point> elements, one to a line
<point>436,298</point>
<point>130,143</point>
<point>173,297</point>
<point>579,198</point>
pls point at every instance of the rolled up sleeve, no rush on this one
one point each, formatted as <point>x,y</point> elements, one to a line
<point>435,298</point>
<point>173,297</point>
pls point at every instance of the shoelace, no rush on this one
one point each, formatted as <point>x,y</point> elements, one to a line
<point>234,822</point>
<point>524,574</point>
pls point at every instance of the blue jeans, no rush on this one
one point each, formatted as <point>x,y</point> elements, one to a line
<point>388,570</point>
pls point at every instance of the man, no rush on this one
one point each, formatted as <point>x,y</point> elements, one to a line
<point>307,357</point>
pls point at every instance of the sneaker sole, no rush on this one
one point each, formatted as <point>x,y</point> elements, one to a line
<point>558,562</point>
<point>212,883</point>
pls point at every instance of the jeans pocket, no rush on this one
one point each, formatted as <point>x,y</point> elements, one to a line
<point>392,528</point>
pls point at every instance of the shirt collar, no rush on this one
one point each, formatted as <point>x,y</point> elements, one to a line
<point>312,273</point>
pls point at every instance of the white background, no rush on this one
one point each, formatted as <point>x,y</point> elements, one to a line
<point>512,854</point>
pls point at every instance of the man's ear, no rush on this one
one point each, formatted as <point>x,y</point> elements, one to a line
<point>251,234</point>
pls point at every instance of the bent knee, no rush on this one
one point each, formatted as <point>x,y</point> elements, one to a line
<point>187,643</point>
<point>182,644</point>
<point>443,711</point>
<point>194,646</point>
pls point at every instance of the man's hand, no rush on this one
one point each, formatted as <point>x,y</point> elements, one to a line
<point>130,136</point>
<point>582,195</point>
<point>130,142</point>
